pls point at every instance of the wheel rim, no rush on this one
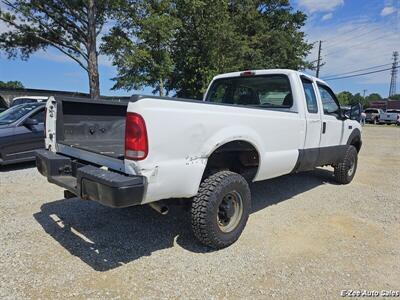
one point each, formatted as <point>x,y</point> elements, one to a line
<point>230,211</point>
<point>351,167</point>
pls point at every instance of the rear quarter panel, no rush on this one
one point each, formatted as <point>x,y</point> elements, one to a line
<point>182,135</point>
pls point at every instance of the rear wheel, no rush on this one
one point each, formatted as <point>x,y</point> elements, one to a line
<point>346,169</point>
<point>221,208</point>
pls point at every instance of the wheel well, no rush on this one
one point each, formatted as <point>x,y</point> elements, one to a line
<point>237,156</point>
<point>356,143</point>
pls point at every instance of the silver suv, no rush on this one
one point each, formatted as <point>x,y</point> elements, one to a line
<point>373,115</point>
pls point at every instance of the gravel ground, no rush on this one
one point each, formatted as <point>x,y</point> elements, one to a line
<point>306,238</point>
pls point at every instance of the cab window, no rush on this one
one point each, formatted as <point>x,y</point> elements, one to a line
<point>311,99</point>
<point>259,90</point>
<point>329,102</point>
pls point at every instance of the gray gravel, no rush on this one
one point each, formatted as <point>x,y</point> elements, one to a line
<point>307,238</point>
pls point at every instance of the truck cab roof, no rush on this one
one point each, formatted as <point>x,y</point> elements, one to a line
<point>267,72</point>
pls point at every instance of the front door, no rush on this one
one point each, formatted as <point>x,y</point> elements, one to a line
<point>27,138</point>
<point>332,121</point>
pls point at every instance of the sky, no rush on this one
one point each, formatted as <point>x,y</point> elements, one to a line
<point>355,35</point>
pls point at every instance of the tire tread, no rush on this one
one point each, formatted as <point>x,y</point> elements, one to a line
<point>341,168</point>
<point>203,204</point>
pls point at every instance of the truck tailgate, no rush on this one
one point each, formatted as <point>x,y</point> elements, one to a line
<point>93,125</point>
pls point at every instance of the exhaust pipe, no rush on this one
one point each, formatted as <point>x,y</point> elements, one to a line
<point>159,207</point>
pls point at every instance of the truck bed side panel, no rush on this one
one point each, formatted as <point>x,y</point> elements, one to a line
<point>182,135</point>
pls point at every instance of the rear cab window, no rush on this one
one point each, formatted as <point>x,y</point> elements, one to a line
<point>311,99</point>
<point>269,91</point>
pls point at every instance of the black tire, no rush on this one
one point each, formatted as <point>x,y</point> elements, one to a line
<point>346,169</point>
<point>207,209</point>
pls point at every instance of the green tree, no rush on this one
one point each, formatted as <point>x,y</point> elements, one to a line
<point>357,98</point>
<point>11,84</point>
<point>271,34</point>
<point>344,98</point>
<point>206,44</point>
<point>140,44</point>
<point>222,36</point>
<point>373,97</point>
<point>395,97</point>
<point>71,26</point>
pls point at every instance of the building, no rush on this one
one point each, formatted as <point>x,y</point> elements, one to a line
<point>385,104</point>
<point>7,94</point>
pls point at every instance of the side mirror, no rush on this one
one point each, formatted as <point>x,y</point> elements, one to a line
<point>355,112</point>
<point>31,122</point>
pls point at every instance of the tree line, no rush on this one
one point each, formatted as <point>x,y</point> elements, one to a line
<point>173,46</point>
<point>347,98</point>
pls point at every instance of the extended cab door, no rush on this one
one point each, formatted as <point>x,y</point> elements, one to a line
<point>332,121</point>
<point>313,116</point>
<point>308,157</point>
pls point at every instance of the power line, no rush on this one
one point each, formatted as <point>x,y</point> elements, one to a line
<point>331,42</point>
<point>353,37</point>
<point>358,44</point>
<point>362,74</point>
<point>359,70</point>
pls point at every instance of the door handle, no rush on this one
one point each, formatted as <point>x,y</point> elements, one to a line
<point>315,121</point>
<point>323,127</point>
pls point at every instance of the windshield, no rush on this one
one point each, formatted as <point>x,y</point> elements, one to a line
<point>16,112</point>
<point>262,90</point>
<point>24,100</point>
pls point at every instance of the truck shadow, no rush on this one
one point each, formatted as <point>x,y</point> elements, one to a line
<point>106,238</point>
<point>18,166</point>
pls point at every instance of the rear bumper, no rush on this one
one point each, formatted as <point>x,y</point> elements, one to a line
<point>388,121</point>
<point>89,182</point>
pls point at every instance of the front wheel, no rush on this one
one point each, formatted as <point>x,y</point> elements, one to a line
<point>346,169</point>
<point>220,209</point>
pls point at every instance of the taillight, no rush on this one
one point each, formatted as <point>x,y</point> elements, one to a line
<point>248,73</point>
<point>136,144</point>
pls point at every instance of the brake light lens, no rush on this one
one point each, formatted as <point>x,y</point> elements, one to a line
<point>248,73</point>
<point>136,144</point>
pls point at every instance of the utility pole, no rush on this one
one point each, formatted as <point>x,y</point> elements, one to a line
<point>364,91</point>
<point>393,72</point>
<point>319,59</point>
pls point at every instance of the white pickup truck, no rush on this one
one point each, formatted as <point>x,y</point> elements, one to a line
<point>250,126</point>
<point>390,116</point>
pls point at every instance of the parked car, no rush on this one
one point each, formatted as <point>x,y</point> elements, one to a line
<point>251,126</point>
<point>21,132</point>
<point>28,99</point>
<point>391,116</point>
<point>3,106</point>
<point>373,115</point>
